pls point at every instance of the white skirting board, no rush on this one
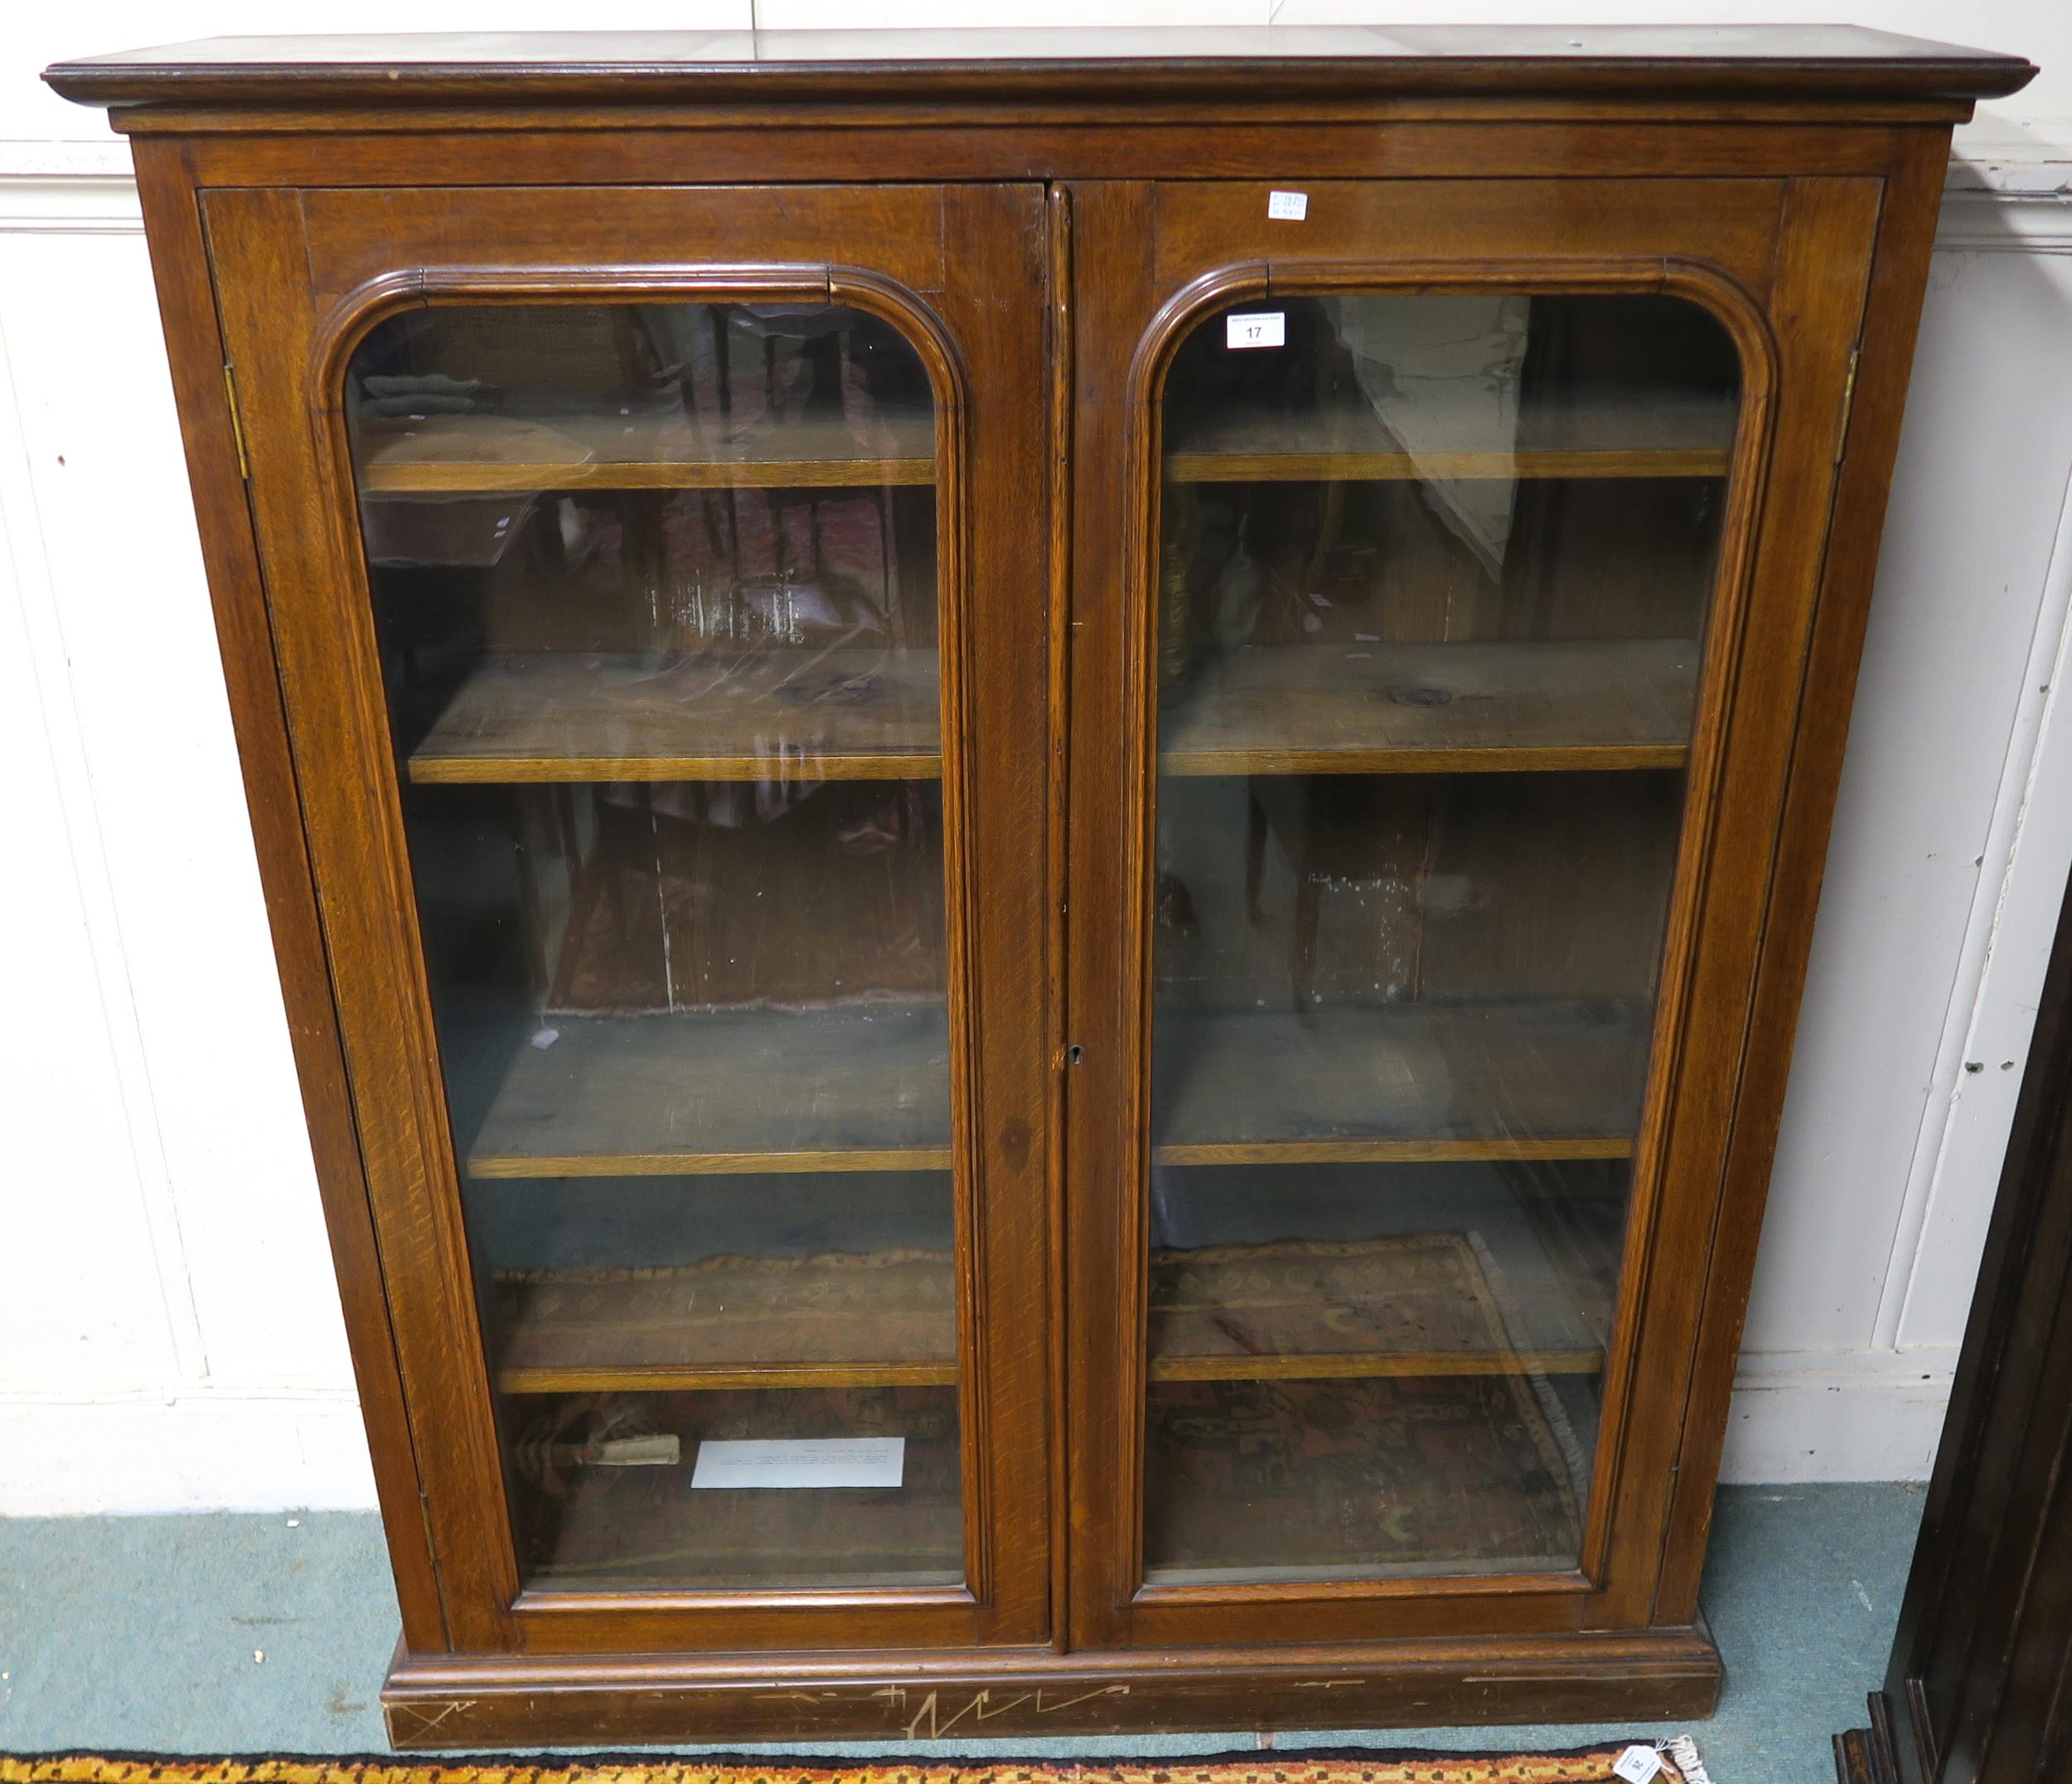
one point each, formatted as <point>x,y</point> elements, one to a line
<point>202,1451</point>
<point>1845,1416</point>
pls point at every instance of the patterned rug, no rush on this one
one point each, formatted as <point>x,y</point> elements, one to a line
<point>1679,1762</point>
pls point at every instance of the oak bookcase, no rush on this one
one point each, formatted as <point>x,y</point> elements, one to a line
<point>1041,810</point>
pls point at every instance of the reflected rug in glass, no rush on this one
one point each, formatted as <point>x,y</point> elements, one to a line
<point>1404,1421</point>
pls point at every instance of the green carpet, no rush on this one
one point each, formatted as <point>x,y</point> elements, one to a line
<point>221,1634</point>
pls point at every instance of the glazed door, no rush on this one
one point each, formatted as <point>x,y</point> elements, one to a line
<point>657,585</point>
<point>1469,537</point>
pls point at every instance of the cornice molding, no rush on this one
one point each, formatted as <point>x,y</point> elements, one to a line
<point>2009,195</point>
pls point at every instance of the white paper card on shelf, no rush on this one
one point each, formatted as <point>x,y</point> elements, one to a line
<point>1287,207</point>
<point>1637,1765</point>
<point>799,1461</point>
<point>1262,328</point>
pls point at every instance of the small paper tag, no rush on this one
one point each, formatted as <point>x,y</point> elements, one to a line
<point>1263,328</point>
<point>1287,207</point>
<point>799,1461</point>
<point>662,1451</point>
<point>1637,1765</point>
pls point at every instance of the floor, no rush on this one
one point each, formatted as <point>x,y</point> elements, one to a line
<point>240,1634</point>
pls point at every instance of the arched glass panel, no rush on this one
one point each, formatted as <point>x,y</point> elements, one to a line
<point>656,590</point>
<point>1434,584</point>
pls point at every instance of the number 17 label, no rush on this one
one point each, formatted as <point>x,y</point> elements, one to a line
<point>1265,328</point>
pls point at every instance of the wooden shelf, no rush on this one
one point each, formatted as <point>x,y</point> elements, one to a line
<point>866,1087</point>
<point>685,1545</point>
<point>583,1525</point>
<point>1363,1309</point>
<point>1338,1480</point>
<point>1645,435</point>
<point>862,1088</point>
<point>1331,1366</point>
<point>1538,1078</point>
<point>479,454</point>
<point>843,1320</point>
<point>670,1378</point>
<point>781,715</point>
<point>1542,704</point>
<point>836,1541</point>
<point>1420,1304</point>
<point>1350,1365</point>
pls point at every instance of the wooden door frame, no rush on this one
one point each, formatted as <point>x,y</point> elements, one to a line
<point>303,278</point>
<point>1785,266</point>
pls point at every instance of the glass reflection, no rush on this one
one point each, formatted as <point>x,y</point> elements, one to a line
<point>1433,586</point>
<point>654,586</point>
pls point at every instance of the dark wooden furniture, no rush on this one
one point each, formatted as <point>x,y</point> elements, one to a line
<point>1977,1692</point>
<point>1069,785</point>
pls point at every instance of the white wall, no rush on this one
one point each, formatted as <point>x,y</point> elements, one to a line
<point>169,1332</point>
<point>1949,860</point>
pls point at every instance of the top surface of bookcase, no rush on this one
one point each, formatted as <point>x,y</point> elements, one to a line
<point>1809,61</point>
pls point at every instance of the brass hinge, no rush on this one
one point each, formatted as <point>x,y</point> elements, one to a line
<point>237,422</point>
<point>1848,403</point>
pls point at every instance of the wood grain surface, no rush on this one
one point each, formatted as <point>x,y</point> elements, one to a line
<point>1634,435</point>
<point>862,1088</point>
<point>886,1319</point>
<point>476,454</point>
<point>779,716</point>
<point>1475,707</point>
<point>1549,1079</point>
